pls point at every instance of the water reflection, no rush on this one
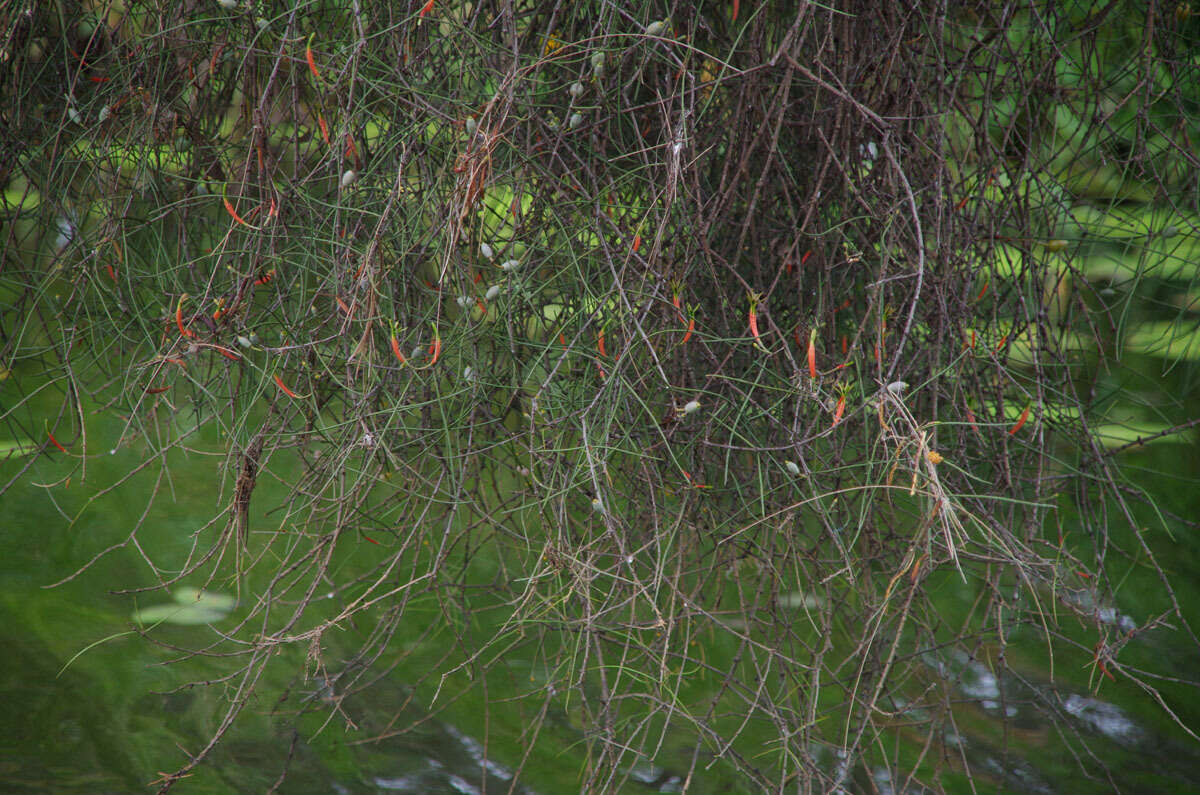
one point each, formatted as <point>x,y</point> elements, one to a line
<point>457,764</point>
<point>1105,718</point>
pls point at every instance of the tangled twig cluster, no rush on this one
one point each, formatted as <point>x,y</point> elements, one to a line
<point>676,346</point>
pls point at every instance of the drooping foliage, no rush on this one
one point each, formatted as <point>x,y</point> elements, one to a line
<point>698,359</point>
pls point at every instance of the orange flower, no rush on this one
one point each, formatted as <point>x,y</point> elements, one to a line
<point>1021,421</point>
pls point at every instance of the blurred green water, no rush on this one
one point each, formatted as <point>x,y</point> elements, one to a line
<point>90,705</point>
